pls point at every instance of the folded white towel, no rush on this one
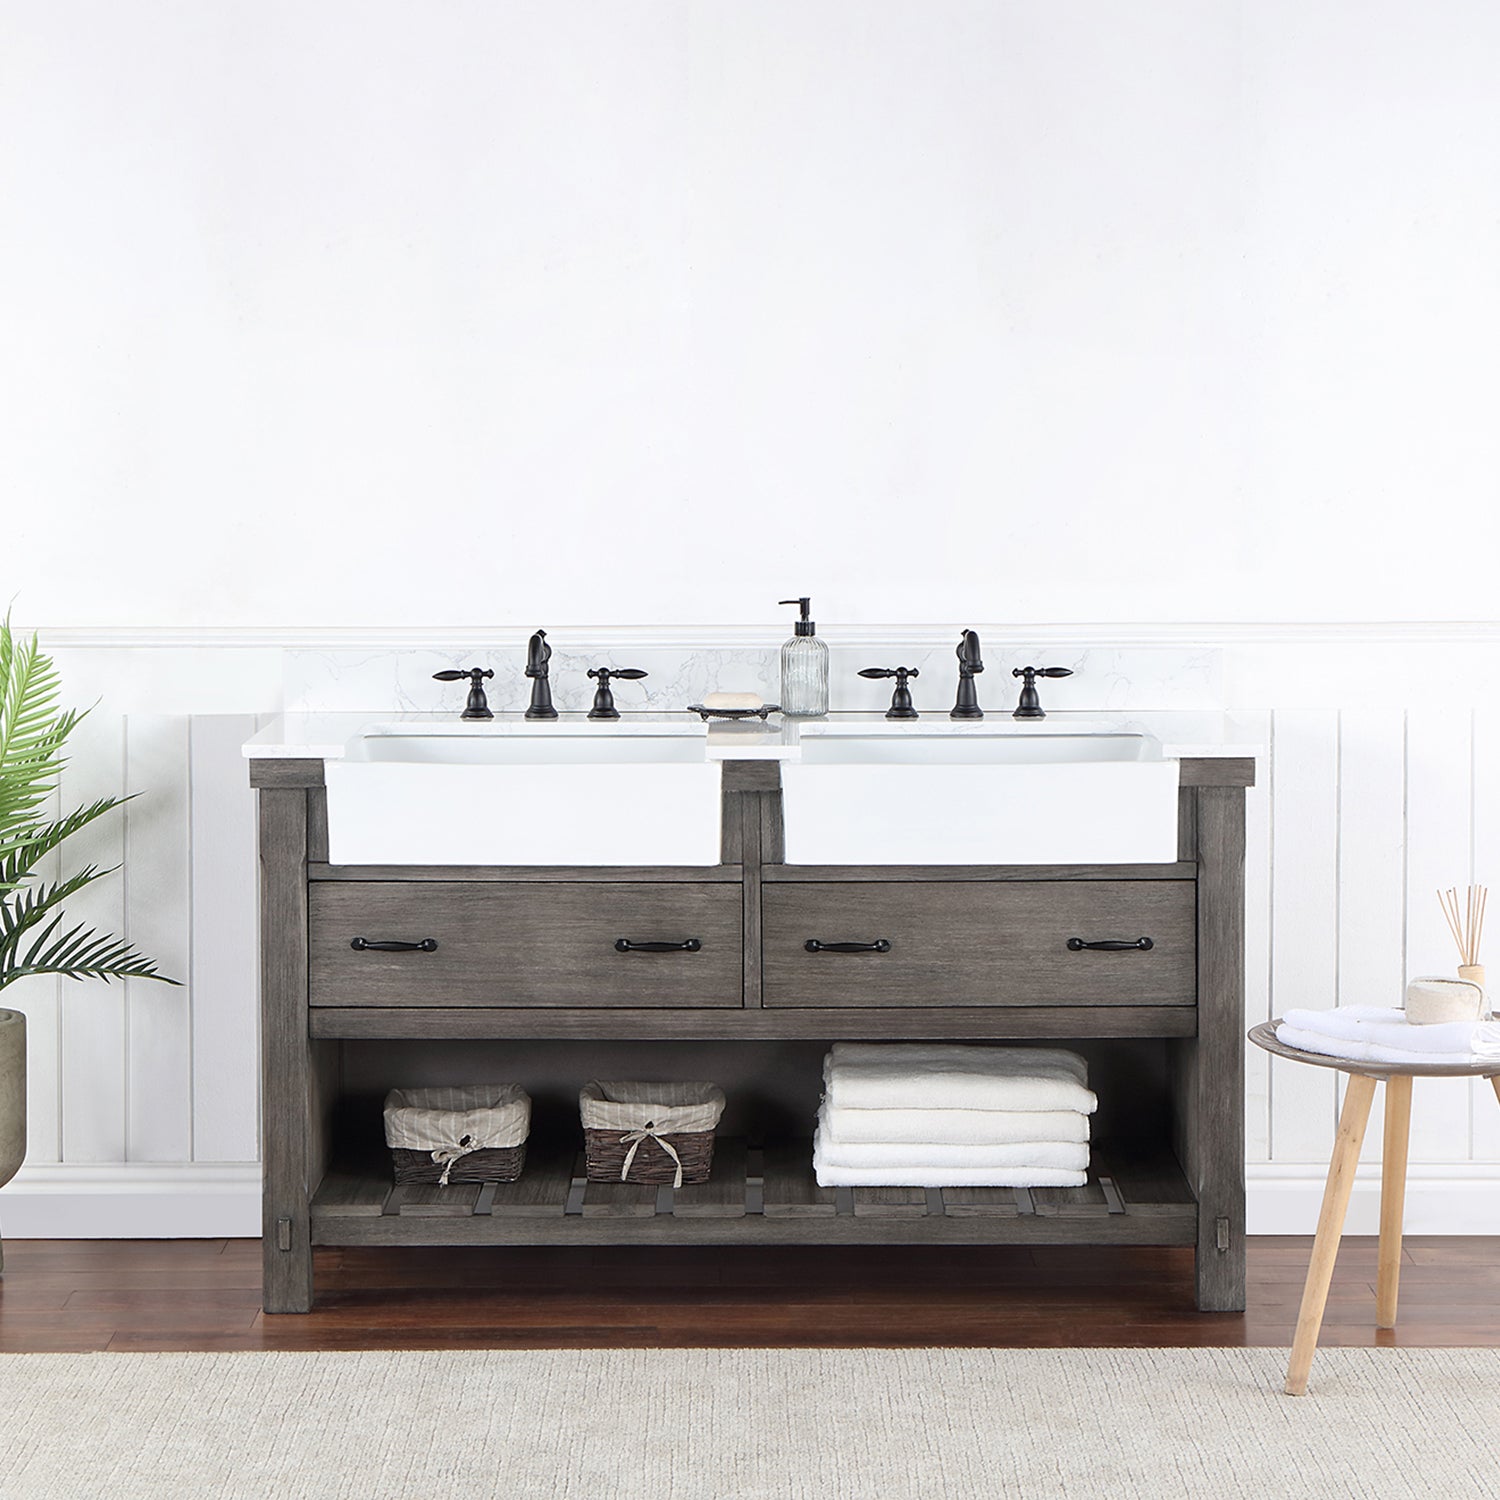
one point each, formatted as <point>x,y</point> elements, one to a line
<point>1372,1052</point>
<point>938,1075</point>
<point>956,1127</point>
<point>1385,1026</point>
<point>1069,1156</point>
<point>939,1177</point>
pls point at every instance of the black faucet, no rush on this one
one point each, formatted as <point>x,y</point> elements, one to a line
<point>604,700</point>
<point>967,704</point>
<point>538,654</point>
<point>477,707</point>
<point>901,704</point>
<point>1030,706</point>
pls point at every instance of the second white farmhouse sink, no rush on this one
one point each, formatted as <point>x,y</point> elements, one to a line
<point>473,796</point>
<point>977,795</point>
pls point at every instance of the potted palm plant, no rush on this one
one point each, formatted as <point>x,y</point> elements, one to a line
<point>36,936</point>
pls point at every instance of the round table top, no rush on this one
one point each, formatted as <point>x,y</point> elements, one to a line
<point>1264,1035</point>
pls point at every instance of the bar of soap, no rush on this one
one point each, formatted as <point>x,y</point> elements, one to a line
<point>732,700</point>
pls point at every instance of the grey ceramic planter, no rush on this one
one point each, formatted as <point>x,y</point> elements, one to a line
<point>12,1095</point>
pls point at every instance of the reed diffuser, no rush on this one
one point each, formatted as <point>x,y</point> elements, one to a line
<point>1466,923</point>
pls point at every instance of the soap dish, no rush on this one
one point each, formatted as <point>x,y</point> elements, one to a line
<point>733,713</point>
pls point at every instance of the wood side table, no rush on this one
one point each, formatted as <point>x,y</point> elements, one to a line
<point>1360,1094</point>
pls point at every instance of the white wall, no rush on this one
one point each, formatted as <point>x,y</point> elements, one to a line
<point>325,317</point>
<point>389,313</point>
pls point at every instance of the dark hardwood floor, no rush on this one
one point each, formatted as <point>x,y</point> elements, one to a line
<point>205,1294</point>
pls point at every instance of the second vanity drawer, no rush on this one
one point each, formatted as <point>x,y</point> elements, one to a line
<point>962,943</point>
<point>535,945</point>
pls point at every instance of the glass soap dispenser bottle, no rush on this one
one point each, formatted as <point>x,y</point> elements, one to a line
<point>804,669</point>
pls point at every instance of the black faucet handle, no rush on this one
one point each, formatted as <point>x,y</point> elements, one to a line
<point>477,706</point>
<point>604,700</point>
<point>901,704</point>
<point>1030,706</point>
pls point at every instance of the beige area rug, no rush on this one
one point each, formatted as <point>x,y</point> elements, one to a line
<point>883,1424</point>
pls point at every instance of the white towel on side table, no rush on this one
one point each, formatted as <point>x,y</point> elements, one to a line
<point>955,1127</point>
<point>1338,1046</point>
<point>938,1075</point>
<point>1385,1026</point>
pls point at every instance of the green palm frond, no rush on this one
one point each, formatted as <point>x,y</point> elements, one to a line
<point>32,734</point>
<point>43,838</point>
<point>35,937</point>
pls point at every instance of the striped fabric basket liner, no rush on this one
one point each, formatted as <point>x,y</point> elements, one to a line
<point>470,1134</point>
<point>649,1132</point>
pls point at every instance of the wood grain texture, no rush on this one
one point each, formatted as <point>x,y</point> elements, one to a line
<point>783,874</point>
<point>1340,1185</point>
<point>971,1023</point>
<point>286,1065</point>
<point>202,1294</point>
<point>271,772</point>
<point>516,945</point>
<point>1392,1199</point>
<point>1209,1070</point>
<point>1218,771</point>
<point>984,945</point>
<point>728,873</point>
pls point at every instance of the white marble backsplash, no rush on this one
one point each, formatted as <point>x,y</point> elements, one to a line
<point>1106,677</point>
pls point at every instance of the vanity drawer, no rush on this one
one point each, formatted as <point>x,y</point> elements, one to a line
<point>525,945</point>
<point>971,943</point>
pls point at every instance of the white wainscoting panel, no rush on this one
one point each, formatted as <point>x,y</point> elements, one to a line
<point>158,920</point>
<point>92,1066</point>
<point>1304,914</point>
<point>226,1008</point>
<point>144,1099</point>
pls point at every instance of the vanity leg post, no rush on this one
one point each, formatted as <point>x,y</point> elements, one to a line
<point>287,1077</point>
<point>1210,1068</point>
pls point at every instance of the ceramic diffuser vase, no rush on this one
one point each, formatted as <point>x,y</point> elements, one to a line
<point>36,936</point>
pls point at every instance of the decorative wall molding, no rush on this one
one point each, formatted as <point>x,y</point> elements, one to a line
<point>768,633</point>
<point>132,1201</point>
<point>1444,1198</point>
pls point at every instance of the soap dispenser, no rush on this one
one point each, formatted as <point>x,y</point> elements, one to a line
<point>804,668</point>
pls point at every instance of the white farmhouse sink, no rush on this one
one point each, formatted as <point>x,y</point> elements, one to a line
<point>973,795</point>
<point>523,798</point>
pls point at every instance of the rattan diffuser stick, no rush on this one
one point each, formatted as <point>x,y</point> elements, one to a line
<point>1465,920</point>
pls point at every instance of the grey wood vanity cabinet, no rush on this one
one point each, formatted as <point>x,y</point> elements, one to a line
<point>976,952</point>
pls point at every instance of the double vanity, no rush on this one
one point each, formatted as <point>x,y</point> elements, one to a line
<point>544,903</point>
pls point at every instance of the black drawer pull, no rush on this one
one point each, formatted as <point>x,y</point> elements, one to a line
<point>880,945</point>
<point>1110,945</point>
<point>385,945</point>
<point>626,945</point>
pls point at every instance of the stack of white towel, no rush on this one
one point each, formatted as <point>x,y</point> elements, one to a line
<point>1382,1034</point>
<point>923,1114</point>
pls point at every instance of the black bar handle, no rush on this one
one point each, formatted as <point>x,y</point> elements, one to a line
<point>880,945</point>
<point>1110,945</point>
<point>627,945</point>
<point>388,945</point>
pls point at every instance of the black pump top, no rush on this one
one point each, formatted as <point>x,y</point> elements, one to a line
<point>804,626</point>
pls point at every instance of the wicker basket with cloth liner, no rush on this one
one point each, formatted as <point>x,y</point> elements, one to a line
<point>471,1134</point>
<point>649,1132</point>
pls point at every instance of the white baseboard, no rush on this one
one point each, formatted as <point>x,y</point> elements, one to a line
<point>1440,1199</point>
<point>133,1201</point>
<point>212,1200</point>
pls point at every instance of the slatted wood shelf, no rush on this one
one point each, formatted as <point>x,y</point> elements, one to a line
<point>757,1194</point>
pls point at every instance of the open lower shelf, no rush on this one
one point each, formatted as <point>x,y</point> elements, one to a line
<point>757,1194</point>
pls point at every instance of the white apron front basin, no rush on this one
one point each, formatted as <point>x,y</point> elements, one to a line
<point>523,799</point>
<point>976,797</point>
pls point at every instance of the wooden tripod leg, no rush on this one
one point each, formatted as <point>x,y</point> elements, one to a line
<point>1351,1135</point>
<point>1392,1197</point>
